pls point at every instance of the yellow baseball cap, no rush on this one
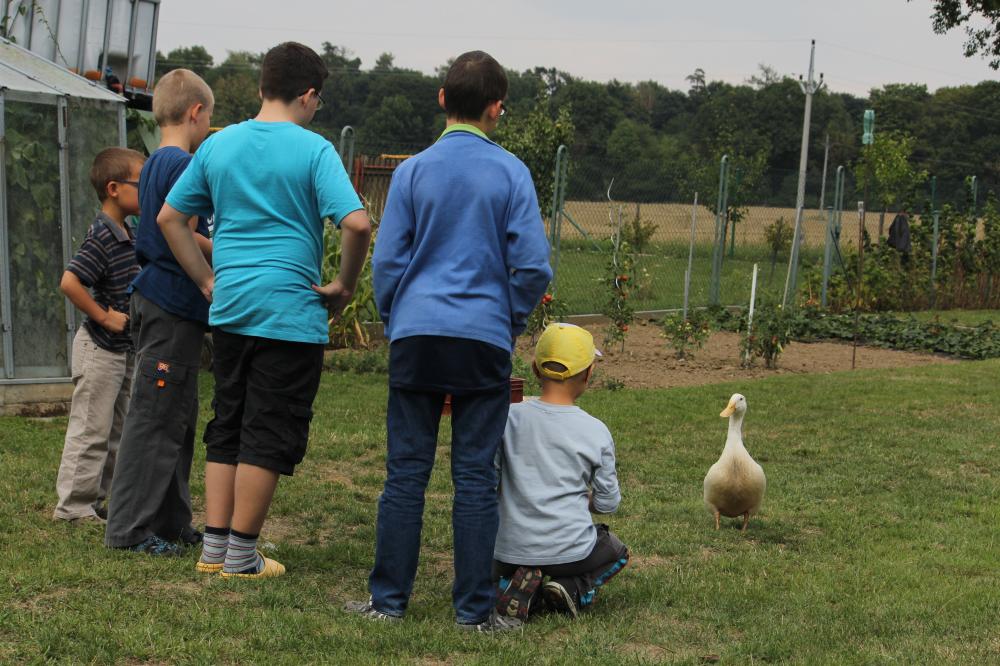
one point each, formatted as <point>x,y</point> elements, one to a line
<point>568,345</point>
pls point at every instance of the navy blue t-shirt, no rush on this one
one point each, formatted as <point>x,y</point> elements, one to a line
<point>162,280</point>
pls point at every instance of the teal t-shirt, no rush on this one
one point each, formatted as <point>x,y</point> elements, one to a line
<point>269,186</point>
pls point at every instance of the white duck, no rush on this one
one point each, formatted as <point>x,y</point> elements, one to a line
<point>734,486</point>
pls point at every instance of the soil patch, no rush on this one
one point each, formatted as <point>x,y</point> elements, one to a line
<point>648,362</point>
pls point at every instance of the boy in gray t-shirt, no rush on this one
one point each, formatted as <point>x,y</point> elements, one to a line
<point>556,464</point>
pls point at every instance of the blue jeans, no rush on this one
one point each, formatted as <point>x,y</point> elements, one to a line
<point>478,421</point>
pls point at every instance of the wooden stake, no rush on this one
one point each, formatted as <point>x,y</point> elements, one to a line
<point>861,277</point>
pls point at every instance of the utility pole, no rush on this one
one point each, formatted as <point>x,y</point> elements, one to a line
<point>810,87</point>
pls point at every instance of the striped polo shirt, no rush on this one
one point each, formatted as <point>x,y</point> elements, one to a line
<point>106,265</point>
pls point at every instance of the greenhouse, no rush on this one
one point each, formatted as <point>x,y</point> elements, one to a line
<point>52,124</point>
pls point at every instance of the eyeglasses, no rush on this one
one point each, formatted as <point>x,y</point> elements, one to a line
<point>133,183</point>
<point>319,98</point>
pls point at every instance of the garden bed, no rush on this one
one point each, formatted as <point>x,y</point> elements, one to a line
<point>648,362</point>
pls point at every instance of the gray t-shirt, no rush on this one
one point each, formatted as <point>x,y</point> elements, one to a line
<point>549,457</point>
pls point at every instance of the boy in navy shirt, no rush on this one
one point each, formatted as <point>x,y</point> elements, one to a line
<point>102,349</point>
<point>460,261</point>
<point>151,504</point>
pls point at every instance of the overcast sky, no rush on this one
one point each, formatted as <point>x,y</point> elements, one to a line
<point>860,44</point>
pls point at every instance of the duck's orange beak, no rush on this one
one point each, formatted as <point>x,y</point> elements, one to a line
<point>728,411</point>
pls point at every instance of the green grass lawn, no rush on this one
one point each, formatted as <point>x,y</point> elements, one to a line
<point>877,541</point>
<point>961,317</point>
<point>581,267</point>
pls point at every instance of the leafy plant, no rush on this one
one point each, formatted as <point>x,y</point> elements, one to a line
<point>887,330</point>
<point>347,330</point>
<point>686,334</point>
<point>638,232</point>
<point>778,236</point>
<point>770,333</point>
<point>618,277</point>
<point>534,138</point>
<point>33,208</point>
<point>549,309</point>
<point>521,368</point>
<point>360,362</point>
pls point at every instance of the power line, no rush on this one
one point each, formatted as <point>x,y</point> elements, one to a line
<point>466,37</point>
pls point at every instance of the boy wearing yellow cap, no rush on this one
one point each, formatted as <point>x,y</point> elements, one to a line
<point>555,463</point>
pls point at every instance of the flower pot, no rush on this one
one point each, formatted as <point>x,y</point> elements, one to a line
<point>516,395</point>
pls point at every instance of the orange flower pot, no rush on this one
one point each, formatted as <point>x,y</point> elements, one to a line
<point>516,395</point>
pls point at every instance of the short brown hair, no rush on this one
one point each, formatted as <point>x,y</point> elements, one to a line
<point>176,92</point>
<point>473,81</point>
<point>289,70</point>
<point>113,164</point>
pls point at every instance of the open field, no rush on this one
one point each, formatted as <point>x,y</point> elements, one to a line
<point>876,542</point>
<point>673,222</point>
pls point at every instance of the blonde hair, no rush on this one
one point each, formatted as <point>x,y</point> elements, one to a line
<point>176,92</point>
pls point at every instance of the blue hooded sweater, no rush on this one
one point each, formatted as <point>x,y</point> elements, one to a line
<point>461,249</point>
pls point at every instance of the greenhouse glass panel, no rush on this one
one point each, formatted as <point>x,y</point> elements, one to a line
<point>34,240</point>
<point>93,126</point>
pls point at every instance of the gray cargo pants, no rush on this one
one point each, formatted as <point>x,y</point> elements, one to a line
<point>150,494</point>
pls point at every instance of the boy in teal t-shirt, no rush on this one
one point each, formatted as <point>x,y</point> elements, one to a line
<point>270,184</point>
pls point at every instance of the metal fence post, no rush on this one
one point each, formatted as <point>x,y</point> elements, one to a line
<point>827,255</point>
<point>558,201</point>
<point>838,202</point>
<point>934,255</point>
<point>347,139</point>
<point>720,231</point>
<point>791,277</point>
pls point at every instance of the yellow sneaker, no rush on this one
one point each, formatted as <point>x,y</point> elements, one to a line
<point>272,569</point>
<point>207,567</point>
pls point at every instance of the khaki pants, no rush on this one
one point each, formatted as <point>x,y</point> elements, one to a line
<point>102,385</point>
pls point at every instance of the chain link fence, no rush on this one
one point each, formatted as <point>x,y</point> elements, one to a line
<point>719,239</point>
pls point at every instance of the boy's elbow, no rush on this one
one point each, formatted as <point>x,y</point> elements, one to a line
<point>606,506</point>
<point>170,216</point>
<point>67,282</point>
<point>357,223</point>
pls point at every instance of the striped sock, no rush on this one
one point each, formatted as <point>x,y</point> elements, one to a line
<point>241,556</point>
<point>213,548</point>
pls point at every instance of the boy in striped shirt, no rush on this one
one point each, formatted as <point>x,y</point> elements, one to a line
<point>96,282</point>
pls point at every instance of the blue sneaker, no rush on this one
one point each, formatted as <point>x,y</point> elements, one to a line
<point>518,595</point>
<point>154,545</point>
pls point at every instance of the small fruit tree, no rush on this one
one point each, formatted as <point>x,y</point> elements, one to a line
<point>618,279</point>
<point>683,335</point>
<point>549,310</point>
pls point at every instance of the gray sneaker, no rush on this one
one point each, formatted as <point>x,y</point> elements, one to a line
<point>366,610</point>
<point>493,624</point>
<point>558,599</point>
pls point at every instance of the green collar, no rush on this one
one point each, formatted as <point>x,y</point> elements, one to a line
<point>463,127</point>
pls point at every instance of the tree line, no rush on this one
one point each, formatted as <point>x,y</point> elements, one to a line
<point>659,144</point>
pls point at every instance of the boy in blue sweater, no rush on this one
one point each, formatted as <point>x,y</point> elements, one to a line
<point>460,261</point>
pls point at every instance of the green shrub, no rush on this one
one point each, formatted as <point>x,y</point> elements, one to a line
<point>359,362</point>
<point>771,330</point>
<point>683,335</point>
